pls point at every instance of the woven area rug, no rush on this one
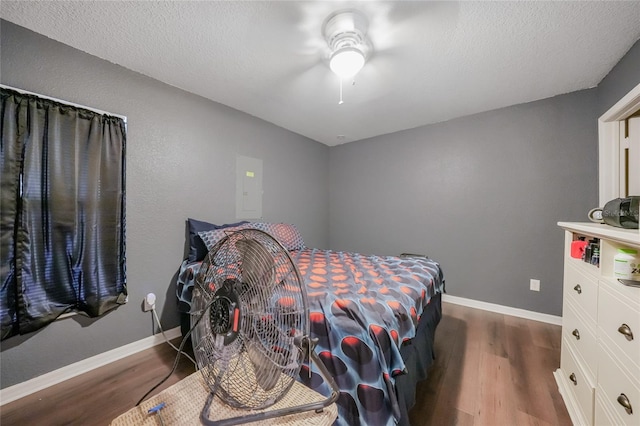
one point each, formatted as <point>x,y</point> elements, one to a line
<point>184,402</point>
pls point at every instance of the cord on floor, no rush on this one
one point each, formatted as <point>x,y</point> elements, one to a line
<point>180,352</point>
<point>155,315</point>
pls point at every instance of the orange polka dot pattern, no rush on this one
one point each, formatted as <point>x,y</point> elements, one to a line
<point>362,308</point>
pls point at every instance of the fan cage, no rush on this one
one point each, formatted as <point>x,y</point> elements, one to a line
<point>256,367</point>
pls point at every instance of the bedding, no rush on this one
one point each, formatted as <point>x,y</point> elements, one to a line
<point>365,312</point>
<point>288,235</point>
<point>197,248</point>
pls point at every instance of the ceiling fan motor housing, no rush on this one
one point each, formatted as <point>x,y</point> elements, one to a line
<point>346,29</point>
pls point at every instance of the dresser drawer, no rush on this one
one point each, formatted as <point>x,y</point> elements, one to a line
<point>619,322</point>
<point>581,288</point>
<point>616,388</point>
<point>578,385</point>
<point>581,333</point>
<point>604,414</point>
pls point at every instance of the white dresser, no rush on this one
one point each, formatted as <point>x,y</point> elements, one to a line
<point>599,374</point>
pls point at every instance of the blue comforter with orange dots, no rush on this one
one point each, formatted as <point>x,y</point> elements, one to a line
<point>362,309</point>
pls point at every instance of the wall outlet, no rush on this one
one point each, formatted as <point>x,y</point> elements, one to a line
<point>149,302</point>
<point>534,285</point>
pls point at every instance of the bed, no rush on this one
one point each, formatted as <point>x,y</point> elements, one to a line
<point>374,318</point>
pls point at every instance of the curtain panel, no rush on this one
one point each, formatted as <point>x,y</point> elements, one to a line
<point>62,221</point>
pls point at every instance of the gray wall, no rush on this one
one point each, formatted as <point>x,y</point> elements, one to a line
<point>622,78</point>
<point>180,163</point>
<point>480,194</point>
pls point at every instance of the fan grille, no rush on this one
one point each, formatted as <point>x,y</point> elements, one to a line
<point>247,344</point>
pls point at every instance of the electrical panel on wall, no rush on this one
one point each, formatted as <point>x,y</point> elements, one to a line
<point>248,187</point>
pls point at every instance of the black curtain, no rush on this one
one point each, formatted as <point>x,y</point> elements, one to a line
<point>62,221</point>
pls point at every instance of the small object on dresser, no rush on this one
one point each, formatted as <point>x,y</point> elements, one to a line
<point>629,283</point>
<point>621,213</point>
<point>595,256</point>
<point>578,247</point>
<point>592,252</point>
<point>586,256</point>
<point>625,264</point>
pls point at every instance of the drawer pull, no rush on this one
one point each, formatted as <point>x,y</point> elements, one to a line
<point>625,330</point>
<point>578,289</point>
<point>624,401</point>
<point>576,334</point>
<point>572,377</point>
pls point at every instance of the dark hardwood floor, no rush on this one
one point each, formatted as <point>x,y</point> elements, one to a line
<point>99,396</point>
<point>490,369</point>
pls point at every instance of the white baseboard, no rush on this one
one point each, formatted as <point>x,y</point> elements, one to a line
<point>23,389</point>
<point>506,310</point>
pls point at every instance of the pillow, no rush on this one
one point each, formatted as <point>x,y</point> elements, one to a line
<point>212,237</point>
<point>197,249</point>
<point>288,235</point>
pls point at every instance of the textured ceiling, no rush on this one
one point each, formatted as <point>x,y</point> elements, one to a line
<point>432,61</point>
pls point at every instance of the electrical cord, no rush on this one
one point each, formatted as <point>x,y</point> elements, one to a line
<point>155,315</point>
<point>177,360</point>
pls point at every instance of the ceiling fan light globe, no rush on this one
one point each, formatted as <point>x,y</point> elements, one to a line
<point>347,62</point>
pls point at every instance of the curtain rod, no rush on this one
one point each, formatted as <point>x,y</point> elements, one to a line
<point>26,92</point>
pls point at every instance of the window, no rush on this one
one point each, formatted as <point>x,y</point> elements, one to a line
<point>62,221</point>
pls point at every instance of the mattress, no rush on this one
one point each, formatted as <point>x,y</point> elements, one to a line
<point>366,313</point>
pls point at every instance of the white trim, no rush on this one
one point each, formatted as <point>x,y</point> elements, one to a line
<point>26,92</point>
<point>608,146</point>
<point>624,107</point>
<point>608,161</point>
<point>23,389</point>
<point>506,310</point>
<point>599,230</point>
